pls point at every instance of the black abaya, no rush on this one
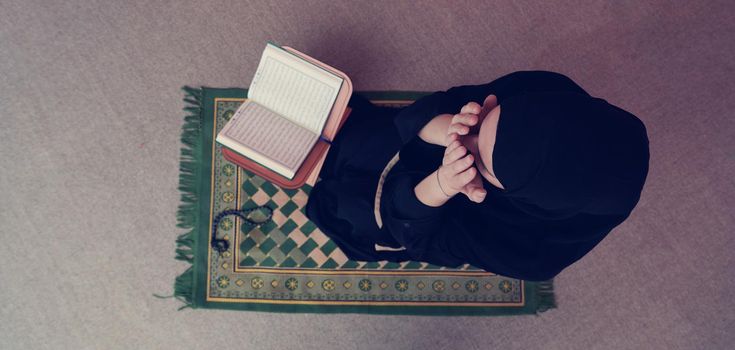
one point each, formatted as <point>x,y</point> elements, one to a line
<point>341,203</point>
<point>501,235</point>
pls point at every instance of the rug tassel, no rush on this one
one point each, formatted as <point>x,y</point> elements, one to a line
<point>545,295</point>
<point>187,214</point>
<point>184,288</point>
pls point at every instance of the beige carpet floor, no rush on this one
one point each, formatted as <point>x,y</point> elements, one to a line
<point>90,116</point>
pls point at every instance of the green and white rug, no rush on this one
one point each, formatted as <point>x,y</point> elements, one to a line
<point>289,265</point>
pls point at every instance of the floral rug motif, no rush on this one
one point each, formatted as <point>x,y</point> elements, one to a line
<point>288,264</point>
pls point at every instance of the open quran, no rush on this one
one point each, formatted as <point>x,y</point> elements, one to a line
<point>294,108</point>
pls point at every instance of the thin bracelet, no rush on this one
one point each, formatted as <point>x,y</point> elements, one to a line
<point>440,184</point>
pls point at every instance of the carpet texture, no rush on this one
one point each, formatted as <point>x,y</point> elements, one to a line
<point>288,264</point>
<point>90,121</point>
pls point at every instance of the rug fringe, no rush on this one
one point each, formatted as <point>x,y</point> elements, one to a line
<point>187,215</point>
<point>545,296</point>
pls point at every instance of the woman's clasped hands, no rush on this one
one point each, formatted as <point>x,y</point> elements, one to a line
<point>457,173</point>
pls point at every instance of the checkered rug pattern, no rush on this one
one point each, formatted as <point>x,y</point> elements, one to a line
<point>291,240</point>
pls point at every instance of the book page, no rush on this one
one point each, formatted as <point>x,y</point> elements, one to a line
<point>294,88</point>
<point>272,136</point>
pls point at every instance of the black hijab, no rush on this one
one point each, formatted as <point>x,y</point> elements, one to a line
<point>564,154</point>
<point>573,167</point>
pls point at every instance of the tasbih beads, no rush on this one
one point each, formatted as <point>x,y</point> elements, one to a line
<point>221,245</point>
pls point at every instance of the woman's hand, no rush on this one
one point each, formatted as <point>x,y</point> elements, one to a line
<point>470,117</point>
<point>435,130</point>
<point>456,174</point>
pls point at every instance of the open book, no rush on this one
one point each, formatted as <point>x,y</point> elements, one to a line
<point>294,101</point>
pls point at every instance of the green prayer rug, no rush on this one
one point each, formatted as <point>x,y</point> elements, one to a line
<point>288,264</point>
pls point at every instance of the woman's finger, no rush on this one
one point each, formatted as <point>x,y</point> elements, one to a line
<point>475,191</point>
<point>450,153</point>
<point>465,118</point>
<point>452,143</point>
<point>478,196</point>
<point>458,128</point>
<point>463,163</point>
<point>452,146</point>
<point>491,101</point>
<point>464,177</point>
<point>469,174</point>
<point>472,107</point>
<point>451,137</point>
<point>456,153</point>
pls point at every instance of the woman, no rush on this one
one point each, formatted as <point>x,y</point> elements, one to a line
<point>523,185</point>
